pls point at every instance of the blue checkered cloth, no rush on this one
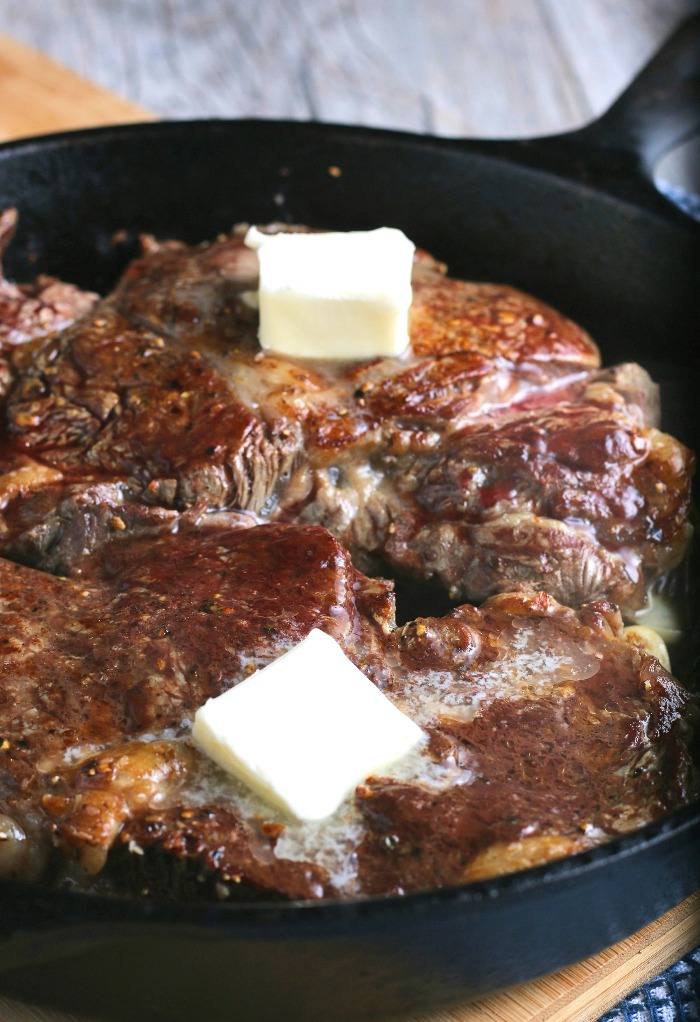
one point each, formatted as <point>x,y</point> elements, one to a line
<point>674,996</point>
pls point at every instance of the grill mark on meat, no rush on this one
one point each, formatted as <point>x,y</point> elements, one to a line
<point>498,411</point>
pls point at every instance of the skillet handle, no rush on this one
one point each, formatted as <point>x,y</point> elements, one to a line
<point>618,152</point>
<point>659,110</point>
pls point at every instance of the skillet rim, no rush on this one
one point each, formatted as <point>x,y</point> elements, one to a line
<point>129,915</point>
<point>552,155</point>
<point>530,156</point>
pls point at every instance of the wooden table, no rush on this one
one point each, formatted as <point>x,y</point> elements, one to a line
<point>455,67</point>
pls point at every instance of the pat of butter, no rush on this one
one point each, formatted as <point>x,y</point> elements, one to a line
<point>662,616</point>
<point>335,295</point>
<point>304,731</point>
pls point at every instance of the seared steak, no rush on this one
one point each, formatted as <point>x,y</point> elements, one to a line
<point>495,456</point>
<point>547,732</point>
<point>176,485</point>
<point>28,311</point>
<point>173,614</point>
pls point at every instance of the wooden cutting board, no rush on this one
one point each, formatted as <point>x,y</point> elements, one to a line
<point>39,96</point>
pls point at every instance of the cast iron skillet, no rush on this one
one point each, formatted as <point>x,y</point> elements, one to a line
<point>574,219</point>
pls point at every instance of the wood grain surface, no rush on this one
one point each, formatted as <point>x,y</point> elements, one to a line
<point>39,96</point>
<point>479,68</point>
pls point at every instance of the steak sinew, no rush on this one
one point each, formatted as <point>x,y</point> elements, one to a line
<point>495,456</point>
<point>547,733</point>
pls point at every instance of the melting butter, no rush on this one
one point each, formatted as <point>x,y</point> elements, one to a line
<point>304,731</point>
<point>334,295</point>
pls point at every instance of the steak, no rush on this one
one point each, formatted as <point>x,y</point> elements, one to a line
<point>173,614</point>
<point>178,508</point>
<point>496,456</point>
<point>547,732</point>
<point>29,311</point>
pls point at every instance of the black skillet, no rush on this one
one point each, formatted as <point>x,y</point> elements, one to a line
<point>576,220</point>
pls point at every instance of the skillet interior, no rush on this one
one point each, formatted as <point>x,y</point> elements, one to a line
<point>630,275</point>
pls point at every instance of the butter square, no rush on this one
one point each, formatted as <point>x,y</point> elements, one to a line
<point>335,295</point>
<point>304,731</point>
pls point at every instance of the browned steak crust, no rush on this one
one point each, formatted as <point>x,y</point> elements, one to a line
<point>29,311</point>
<point>174,614</point>
<point>547,733</point>
<point>147,438</point>
<point>495,456</point>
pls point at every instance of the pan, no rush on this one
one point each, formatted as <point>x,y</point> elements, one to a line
<point>575,219</point>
